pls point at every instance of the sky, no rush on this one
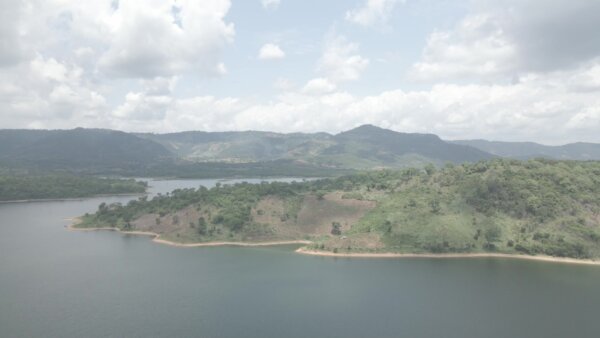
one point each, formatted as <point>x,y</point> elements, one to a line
<point>509,70</point>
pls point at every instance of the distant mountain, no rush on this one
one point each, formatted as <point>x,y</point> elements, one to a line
<point>363,147</point>
<point>254,153</point>
<point>243,146</point>
<point>390,148</point>
<point>526,150</point>
<point>78,149</point>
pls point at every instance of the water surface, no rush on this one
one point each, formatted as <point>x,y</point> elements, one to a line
<point>59,283</point>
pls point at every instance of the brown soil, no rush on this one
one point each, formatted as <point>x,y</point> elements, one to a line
<point>315,216</point>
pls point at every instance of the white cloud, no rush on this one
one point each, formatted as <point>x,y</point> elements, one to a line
<point>502,40</point>
<point>159,85</point>
<point>543,108</point>
<point>143,107</point>
<point>372,12</point>
<point>12,50</point>
<point>270,4</point>
<point>284,84</point>
<point>525,71</point>
<point>475,48</point>
<point>319,86</point>
<point>270,51</point>
<point>48,93</point>
<point>164,38</point>
<point>340,60</point>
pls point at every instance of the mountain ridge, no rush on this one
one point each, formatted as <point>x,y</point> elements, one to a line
<point>364,147</point>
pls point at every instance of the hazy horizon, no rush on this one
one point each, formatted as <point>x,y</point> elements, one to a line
<point>299,132</point>
<point>471,69</point>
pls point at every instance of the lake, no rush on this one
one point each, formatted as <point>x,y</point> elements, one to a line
<point>60,283</point>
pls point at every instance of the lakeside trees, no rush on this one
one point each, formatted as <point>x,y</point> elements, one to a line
<point>23,187</point>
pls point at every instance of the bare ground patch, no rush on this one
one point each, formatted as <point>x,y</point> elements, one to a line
<point>313,217</point>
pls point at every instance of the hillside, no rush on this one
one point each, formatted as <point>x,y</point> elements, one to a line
<point>78,149</point>
<point>243,146</point>
<point>526,150</point>
<point>506,206</point>
<point>364,147</point>
<point>201,154</point>
<point>368,146</point>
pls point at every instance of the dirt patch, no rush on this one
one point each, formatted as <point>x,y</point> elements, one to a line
<point>313,216</point>
<point>317,215</point>
<point>180,223</point>
<point>273,218</point>
<point>368,242</point>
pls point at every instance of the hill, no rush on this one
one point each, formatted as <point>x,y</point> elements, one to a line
<point>526,150</point>
<point>236,147</point>
<point>369,146</point>
<point>364,147</point>
<point>506,206</point>
<point>78,149</point>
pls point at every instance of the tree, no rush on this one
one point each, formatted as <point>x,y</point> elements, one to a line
<point>201,226</point>
<point>336,228</point>
<point>492,234</point>
<point>435,206</point>
<point>430,169</point>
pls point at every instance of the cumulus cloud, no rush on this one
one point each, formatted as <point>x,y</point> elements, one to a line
<point>340,60</point>
<point>165,38</point>
<point>372,12</point>
<point>270,4</point>
<point>526,70</point>
<point>319,86</point>
<point>513,37</point>
<point>48,93</point>
<point>270,51</point>
<point>543,108</point>
<point>12,50</point>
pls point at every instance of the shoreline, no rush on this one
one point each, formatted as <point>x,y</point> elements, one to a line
<point>156,239</point>
<point>542,258</point>
<point>66,199</point>
<point>304,251</point>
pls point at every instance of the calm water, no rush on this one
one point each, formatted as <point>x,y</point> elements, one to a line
<point>57,283</point>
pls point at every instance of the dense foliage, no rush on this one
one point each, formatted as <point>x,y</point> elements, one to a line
<point>537,206</point>
<point>25,187</point>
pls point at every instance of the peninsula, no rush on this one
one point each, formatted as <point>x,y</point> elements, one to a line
<point>496,207</point>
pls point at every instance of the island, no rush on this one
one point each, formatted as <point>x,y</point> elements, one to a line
<point>499,207</point>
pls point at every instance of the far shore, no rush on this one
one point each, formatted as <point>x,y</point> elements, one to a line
<point>305,251</point>
<point>72,198</point>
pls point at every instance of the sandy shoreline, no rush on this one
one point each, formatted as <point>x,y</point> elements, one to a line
<point>552,259</point>
<point>305,251</point>
<point>156,239</point>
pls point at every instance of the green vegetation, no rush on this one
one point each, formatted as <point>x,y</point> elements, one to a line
<point>526,150</point>
<point>25,187</point>
<point>509,206</point>
<point>224,154</point>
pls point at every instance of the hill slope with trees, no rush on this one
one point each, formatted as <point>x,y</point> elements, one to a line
<point>525,150</point>
<point>507,206</point>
